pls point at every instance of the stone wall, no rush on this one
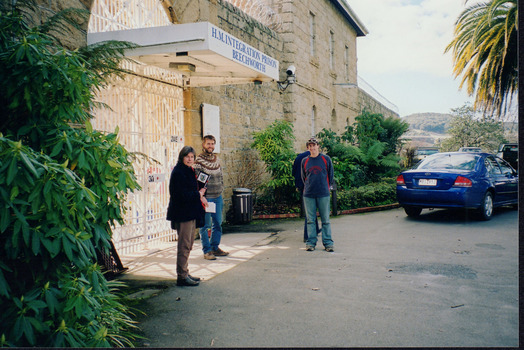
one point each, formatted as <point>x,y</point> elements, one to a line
<point>73,38</point>
<point>334,106</point>
<point>365,101</point>
<point>244,108</point>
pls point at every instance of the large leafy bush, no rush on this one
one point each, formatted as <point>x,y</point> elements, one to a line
<point>348,166</point>
<point>367,151</point>
<point>370,195</point>
<point>275,146</point>
<point>62,187</point>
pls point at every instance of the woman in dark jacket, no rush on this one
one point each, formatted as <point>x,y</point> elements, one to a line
<point>185,211</point>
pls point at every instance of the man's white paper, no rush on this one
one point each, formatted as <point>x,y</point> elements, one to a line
<point>211,207</point>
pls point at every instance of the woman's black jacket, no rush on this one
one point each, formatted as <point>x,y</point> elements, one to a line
<point>184,201</point>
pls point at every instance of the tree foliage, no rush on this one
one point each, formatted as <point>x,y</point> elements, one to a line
<point>366,151</point>
<point>275,146</point>
<point>485,52</point>
<point>347,158</point>
<point>62,187</point>
<point>466,130</point>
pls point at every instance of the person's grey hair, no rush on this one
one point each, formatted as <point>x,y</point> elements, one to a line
<point>184,152</point>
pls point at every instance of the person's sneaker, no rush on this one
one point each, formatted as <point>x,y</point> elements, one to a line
<point>187,282</point>
<point>329,249</point>
<point>310,248</point>
<point>220,252</point>
<point>197,279</point>
<point>209,256</point>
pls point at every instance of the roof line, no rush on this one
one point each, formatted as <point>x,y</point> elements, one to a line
<point>351,16</point>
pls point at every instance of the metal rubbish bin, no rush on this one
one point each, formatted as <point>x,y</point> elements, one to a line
<point>242,205</point>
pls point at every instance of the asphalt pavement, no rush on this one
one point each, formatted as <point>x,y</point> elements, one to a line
<point>444,280</point>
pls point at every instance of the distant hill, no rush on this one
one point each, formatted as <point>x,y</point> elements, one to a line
<point>431,122</point>
<point>427,129</point>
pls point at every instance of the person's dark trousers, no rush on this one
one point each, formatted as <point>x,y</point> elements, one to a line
<point>186,238</point>
<point>305,218</point>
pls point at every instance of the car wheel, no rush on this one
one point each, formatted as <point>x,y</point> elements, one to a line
<point>486,208</point>
<point>412,211</point>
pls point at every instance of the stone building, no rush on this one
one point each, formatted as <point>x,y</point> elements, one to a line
<point>212,66</point>
<point>320,40</point>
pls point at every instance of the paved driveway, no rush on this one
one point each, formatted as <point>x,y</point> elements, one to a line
<point>440,281</point>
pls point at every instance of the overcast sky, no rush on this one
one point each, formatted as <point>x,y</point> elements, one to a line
<point>403,57</point>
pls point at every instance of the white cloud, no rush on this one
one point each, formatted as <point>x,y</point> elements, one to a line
<point>403,55</point>
<point>406,35</point>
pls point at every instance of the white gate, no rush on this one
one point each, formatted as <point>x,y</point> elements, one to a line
<point>109,15</point>
<point>147,108</point>
<point>149,116</point>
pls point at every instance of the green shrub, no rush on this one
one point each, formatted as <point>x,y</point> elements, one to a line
<point>370,195</point>
<point>275,146</point>
<point>367,151</point>
<point>52,292</point>
<point>61,190</point>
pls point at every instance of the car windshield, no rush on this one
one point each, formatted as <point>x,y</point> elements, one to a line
<point>460,161</point>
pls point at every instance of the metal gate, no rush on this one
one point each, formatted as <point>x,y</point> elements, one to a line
<point>149,116</point>
<point>108,15</point>
<point>146,106</point>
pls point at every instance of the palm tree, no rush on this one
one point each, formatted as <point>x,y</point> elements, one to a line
<point>485,52</point>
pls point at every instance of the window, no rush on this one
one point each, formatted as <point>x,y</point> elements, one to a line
<point>460,161</point>
<point>346,62</point>
<point>331,49</point>
<point>492,166</point>
<point>312,34</point>
<point>505,167</point>
<point>313,117</point>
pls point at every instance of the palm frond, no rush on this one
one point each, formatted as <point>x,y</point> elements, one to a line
<point>485,53</point>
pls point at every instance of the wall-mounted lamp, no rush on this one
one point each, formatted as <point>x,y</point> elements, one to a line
<point>346,85</point>
<point>290,71</point>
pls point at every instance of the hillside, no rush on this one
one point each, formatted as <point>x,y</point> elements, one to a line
<point>427,129</point>
<point>430,122</point>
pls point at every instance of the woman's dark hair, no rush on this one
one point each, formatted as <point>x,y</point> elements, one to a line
<point>184,152</point>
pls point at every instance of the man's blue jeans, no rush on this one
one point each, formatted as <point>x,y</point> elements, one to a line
<point>305,220</point>
<point>322,204</point>
<point>213,222</point>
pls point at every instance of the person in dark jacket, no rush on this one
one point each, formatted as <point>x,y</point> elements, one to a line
<point>185,211</point>
<point>299,184</point>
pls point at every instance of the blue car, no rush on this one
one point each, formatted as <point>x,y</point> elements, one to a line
<point>479,181</point>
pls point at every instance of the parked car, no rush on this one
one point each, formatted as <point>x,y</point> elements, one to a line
<point>423,152</point>
<point>479,181</point>
<point>470,149</point>
<point>510,153</point>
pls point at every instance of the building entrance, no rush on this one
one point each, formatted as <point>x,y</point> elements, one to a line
<point>146,107</point>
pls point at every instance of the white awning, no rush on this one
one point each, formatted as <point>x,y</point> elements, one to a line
<point>204,53</point>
